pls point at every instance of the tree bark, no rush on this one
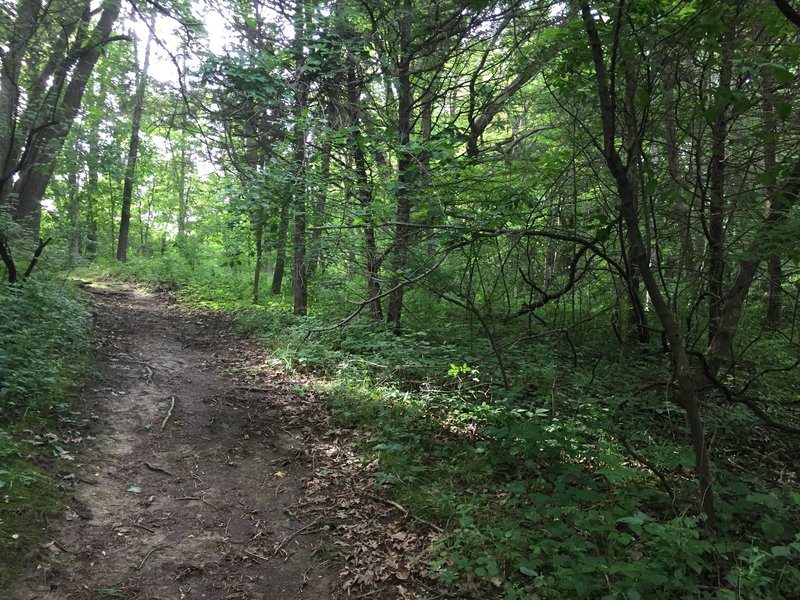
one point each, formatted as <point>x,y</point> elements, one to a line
<point>317,257</point>
<point>23,29</point>
<point>39,160</point>
<point>74,213</point>
<point>364,194</point>
<point>133,150</point>
<point>280,247</point>
<point>773,206</point>
<point>687,395</point>
<point>300,279</point>
<point>405,165</point>
<point>259,235</point>
<point>716,194</point>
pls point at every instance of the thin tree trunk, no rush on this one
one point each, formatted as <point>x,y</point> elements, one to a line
<point>687,395</point>
<point>721,347</point>
<point>773,207</point>
<point>90,189</point>
<point>133,150</point>
<point>630,140</point>
<point>32,181</point>
<point>364,194</point>
<point>280,247</point>
<point>300,279</point>
<point>259,234</point>
<point>405,164</point>
<point>316,258</point>
<point>716,195</point>
<point>183,195</point>
<point>74,213</point>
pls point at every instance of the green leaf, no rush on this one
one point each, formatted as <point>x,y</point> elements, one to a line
<point>783,108</point>
<point>771,527</point>
<point>781,551</point>
<point>712,113</point>
<point>781,74</point>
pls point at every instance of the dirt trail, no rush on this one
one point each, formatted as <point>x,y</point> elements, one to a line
<point>202,508</point>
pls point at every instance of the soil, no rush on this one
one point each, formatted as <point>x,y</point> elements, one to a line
<point>194,481</point>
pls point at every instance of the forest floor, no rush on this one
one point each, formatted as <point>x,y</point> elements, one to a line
<point>207,474</point>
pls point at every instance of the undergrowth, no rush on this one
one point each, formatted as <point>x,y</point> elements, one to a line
<point>572,479</point>
<point>43,354</point>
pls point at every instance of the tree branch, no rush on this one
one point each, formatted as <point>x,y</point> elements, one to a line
<point>788,12</point>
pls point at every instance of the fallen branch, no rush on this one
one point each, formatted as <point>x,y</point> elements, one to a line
<point>387,501</point>
<point>37,253</point>
<point>157,469</point>
<point>169,413</point>
<point>294,535</point>
<point>201,499</point>
<point>212,505</point>
<point>650,465</point>
<point>250,388</point>
<point>251,553</point>
<point>146,556</point>
<point>403,510</point>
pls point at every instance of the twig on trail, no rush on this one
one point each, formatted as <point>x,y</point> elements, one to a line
<point>403,510</point>
<point>387,501</point>
<point>148,373</point>
<point>157,469</point>
<point>127,357</point>
<point>251,553</point>
<point>169,413</point>
<point>143,527</point>
<point>290,434</point>
<point>288,539</point>
<point>203,500</point>
<point>146,556</point>
<point>250,388</point>
<point>228,524</point>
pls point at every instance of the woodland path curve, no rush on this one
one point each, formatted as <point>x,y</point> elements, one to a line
<point>201,508</point>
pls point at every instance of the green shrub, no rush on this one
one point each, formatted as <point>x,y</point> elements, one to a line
<point>44,350</point>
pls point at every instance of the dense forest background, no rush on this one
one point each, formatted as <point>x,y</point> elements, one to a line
<point>543,256</point>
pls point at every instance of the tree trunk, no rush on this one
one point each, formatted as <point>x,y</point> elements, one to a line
<point>259,235</point>
<point>364,193</point>
<point>638,328</point>
<point>300,279</point>
<point>280,248</point>
<point>681,210</point>
<point>74,214</point>
<point>773,206</point>
<point>183,195</point>
<point>133,150</point>
<point>405,165</point>
<point>33,179</point>
<point>687,395</point>
<point>23,30</point>
<point>316,258</point>
<point>716,195</point>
